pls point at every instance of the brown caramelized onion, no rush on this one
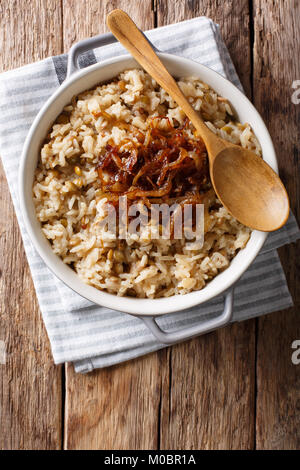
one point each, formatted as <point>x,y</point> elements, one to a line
<point>163,163</point>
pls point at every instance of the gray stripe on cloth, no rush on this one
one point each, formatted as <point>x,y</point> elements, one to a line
<point>60,63</point>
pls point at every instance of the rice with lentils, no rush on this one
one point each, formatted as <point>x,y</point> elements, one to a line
<point>70,196</point>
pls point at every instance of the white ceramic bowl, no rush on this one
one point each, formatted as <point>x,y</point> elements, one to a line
<point>88,78</point>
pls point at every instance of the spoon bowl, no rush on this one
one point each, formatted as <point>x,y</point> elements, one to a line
<point>254,190</point>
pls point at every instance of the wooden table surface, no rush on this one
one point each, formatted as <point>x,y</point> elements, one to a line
<point>236,388</point>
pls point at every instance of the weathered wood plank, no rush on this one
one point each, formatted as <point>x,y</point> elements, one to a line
<point>31,31</point>
<point>30,384</point>
<point>209,401</point>
<point>276,66</point>
<point>85,19</point>
<point>231,15</point>
<point>118,407</point>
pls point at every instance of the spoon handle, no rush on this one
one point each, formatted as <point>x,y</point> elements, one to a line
<point>124,29</point>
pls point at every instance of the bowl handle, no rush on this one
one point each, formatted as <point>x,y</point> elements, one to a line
<point>190,332</point>
<point>88,44</point>
<point>84,46</point>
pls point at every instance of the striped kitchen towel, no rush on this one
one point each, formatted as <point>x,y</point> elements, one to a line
<point>80,331</point>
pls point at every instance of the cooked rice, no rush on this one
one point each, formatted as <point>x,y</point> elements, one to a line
<point>69,201</point>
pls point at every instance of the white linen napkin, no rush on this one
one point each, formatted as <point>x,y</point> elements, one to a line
<point>78,330</point>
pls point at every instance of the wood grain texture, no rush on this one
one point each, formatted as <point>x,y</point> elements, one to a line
<point>276,66</point>
<point>30,384</point>
<point>115,408</point>
<point>208,396</point>
<point>87,18</point>
<point>30,31</point>
<point>231,15</point>
<point>206,405</point>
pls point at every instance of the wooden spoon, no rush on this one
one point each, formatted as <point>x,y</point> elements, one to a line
<point>246,185</point>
